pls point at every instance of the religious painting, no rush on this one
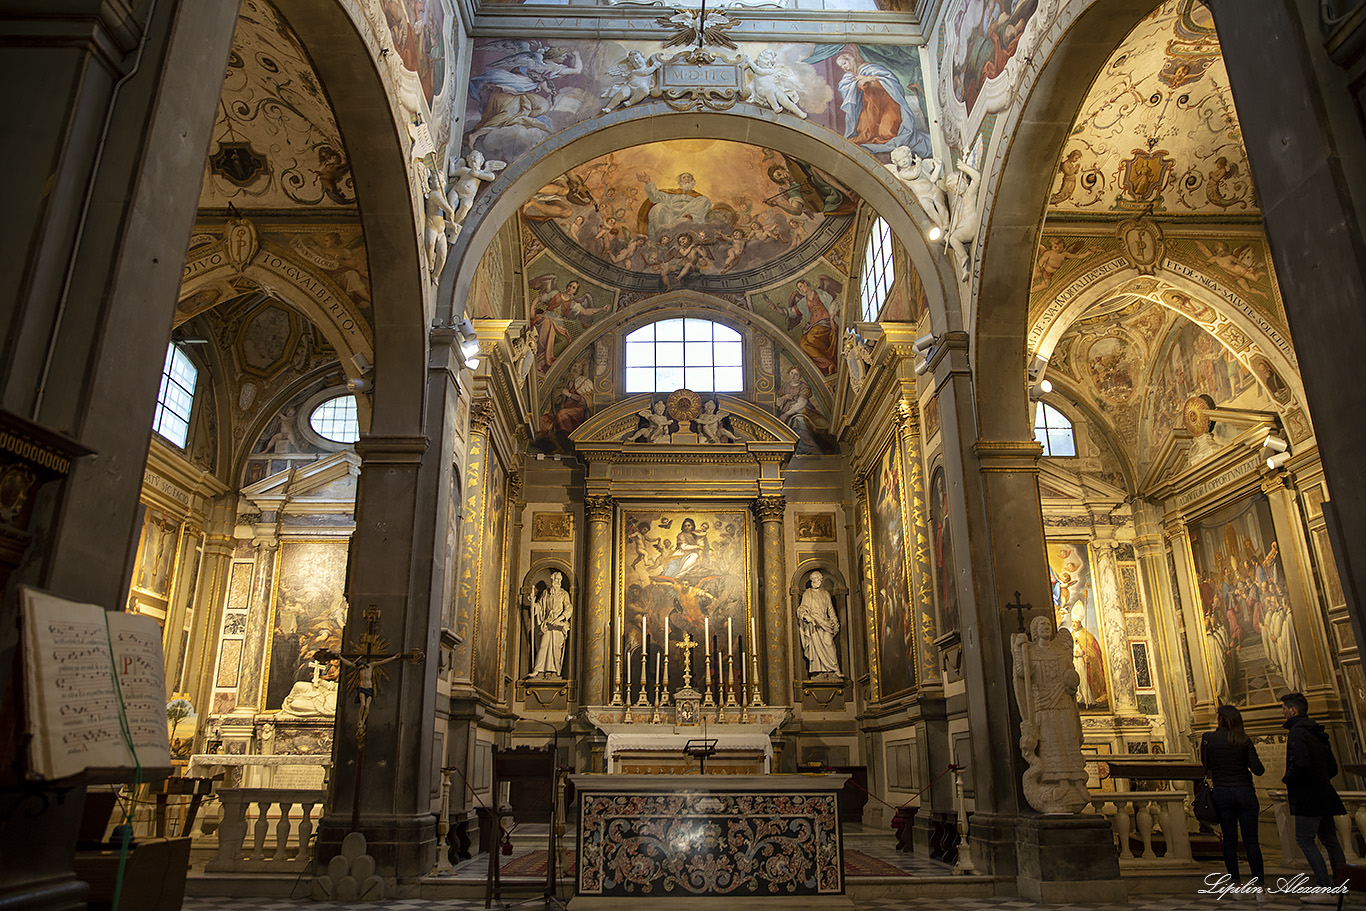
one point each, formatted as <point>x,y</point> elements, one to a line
<point>810,309</point>
<point>881,95</point>
<point>985,36</point>
<point>1111,363</point>
<point>560,307</point>
<point>489,612</point>
<point>814,526</point>
<point>568,405</point>
<point>1075,608</point>
<point>156,554</point>
<point>309,613</point>
<point>418,31</point>
<point>703,214</point>
<point>945,583</point>
<point>891,586</point>
<point>1249,631</point>
<point>552,526</point>
<point>689,567</point>
<point>336,250</point>
<point>803,410</point>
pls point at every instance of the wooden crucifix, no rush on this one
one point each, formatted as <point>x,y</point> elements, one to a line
<point>363,665</point>
<point>1020,610</point>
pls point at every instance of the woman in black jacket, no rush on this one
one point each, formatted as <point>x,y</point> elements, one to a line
<point>1231,760</point>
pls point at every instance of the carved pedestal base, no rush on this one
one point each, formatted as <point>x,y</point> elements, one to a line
<point>546,694</point>
<point>1067,859</point>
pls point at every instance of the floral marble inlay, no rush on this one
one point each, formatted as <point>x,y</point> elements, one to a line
<point>634,844</point>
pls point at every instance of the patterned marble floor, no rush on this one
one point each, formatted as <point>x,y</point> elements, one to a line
<point>1147,903</point>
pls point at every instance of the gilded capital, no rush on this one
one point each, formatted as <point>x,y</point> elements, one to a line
<point>907,415</point>
<point>770,509</point>
<point>481,416</point>
<point>598,508</point>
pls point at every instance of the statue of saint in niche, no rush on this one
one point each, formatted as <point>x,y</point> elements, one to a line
<point>817,626</point>
<point>551,612</point>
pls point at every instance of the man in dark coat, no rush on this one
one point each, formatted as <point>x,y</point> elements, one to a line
<point>1309,770</point>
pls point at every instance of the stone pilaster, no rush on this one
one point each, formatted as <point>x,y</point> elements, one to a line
<point>472,508</point>
<point>1110,609</point>
<point>1171,662</point>
<point>1192,610</point>
<point>918,544</point>
<point>597,630</point>
<point>1315,665</point>
<point>769,511</point>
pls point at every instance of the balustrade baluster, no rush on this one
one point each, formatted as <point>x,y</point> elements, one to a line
<point>1144,817</point>
<point>306,831</point>
<point>1123,825</point>
<point>258,851</point>
<point>282,831</point>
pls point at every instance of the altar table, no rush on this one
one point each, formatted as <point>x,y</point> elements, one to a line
<point>666,839</point>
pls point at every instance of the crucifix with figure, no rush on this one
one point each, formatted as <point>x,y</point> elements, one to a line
<point>364,663</point>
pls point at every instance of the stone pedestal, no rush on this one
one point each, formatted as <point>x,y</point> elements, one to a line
<point>1067,859</point>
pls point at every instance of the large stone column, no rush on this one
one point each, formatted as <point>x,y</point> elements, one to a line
<point>1110,611</point>
<point>596,630</point>
<point>1171,662</point>
<point>777,649</point>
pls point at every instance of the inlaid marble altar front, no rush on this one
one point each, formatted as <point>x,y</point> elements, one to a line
<point>682,836</point>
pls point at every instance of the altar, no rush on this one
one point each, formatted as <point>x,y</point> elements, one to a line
<point>639,747</point>
<point>675,837</point>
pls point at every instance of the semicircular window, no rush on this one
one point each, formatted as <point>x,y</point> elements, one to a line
<point>695,354</point>
<point>335,420</point>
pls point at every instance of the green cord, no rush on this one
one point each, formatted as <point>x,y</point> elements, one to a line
<point>127,834</point>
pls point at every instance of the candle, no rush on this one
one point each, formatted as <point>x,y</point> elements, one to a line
<point>642,634</point>
<point>659,671</point>
<point>741,643</point>
<point>753,636</point>
<point>706,629</point>
<point>728,651</point>
<point>666,635</point>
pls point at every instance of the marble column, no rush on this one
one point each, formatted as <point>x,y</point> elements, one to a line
<point>1110,611</point>
<point>1171,662</point>
<point>1315,666</point>
<point>597,631</point>
<point>473,504</point>
<point>1192,610</point>
<point>772,618</point>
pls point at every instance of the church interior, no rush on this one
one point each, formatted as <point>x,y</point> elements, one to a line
<point>864,405</point>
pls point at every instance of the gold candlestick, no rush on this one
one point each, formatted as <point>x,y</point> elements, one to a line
<point>707,699</point>
<point>664,684</point>
<point>730,680</point>
<point>644,676</point>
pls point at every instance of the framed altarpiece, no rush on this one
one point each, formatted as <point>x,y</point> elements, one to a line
<point>693,563</point>
<point>887,572</point>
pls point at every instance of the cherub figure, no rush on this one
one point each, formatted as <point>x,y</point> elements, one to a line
<point>688,258</point>
<point>1051,259</point>
<point>656,429</point>
<point>623,256</point>
<point>439,217</point>
<point>633,81</point>
<point>772,84</point>
<point>1240,264</point>
<point>466,175</point>
<point>709,426</point>
<point>738,242</point>
<point>924,177</point>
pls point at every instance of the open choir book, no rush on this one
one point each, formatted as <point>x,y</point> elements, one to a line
<point>89,674</point>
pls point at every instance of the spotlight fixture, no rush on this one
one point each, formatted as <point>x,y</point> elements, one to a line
<point>469,343</point>
<point>359,385</point>
<point>921,367</point>
<point>1036,367</point>
<point>924,346</point>
<point>1039,390</point>
<point>1278,460</point>
<point>935,233</point>
<point>1276,451</point>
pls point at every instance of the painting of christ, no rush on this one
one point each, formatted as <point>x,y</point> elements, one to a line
<point>690,566</point>
<point>891,594</point>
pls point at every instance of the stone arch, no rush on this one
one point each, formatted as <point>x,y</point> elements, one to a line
<point>379,171</point>
<point>1017,200</point>
<point>656,122</point>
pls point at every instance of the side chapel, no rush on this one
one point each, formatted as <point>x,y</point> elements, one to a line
<point>643,375</point>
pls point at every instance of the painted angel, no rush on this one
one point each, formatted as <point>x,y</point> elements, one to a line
<point>633,81</point>
<point>773,84</point>
<point>1240,264</point>
<point>552,308</point>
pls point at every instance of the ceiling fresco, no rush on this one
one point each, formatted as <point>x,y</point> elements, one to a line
<point>275,141</point>
<point>1158,131</point>
<point>704,214</point>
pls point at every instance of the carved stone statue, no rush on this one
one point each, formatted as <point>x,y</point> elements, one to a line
<point>656,429</point>
<point>817,626</point>
<point>466,175</point>
<point>308,699</point>
<point>709,427</point>
<point>634,81</point>
<point>772,84</point>
<point>924,177</point>
<point>967,215</point>
<point>439,216</point>
<point>551,613</point>
<point>1050,732</point>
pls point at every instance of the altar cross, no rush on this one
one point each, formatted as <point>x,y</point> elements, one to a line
<point>687,645</point>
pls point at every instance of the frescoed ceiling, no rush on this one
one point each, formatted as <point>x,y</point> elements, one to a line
<point>1158,131</point>
<point>275,142</point>
<point>703,214</point>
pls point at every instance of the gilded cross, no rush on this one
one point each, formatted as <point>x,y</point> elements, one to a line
<point>687,644</point>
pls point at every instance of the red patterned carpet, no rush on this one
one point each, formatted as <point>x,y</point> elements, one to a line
<point>532,865</point>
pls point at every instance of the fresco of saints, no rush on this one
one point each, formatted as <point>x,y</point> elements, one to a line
<point>667,208</point>
<point>552,309</point>
<point>877,113</point>
<point>1090,665</point>
<point>818,306</point>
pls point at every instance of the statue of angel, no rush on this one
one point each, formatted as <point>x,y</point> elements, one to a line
<point>1046,683</point>
<point>924,177</point>
<point>773,84</point>
<point>709,427</point>
<point>967,214</point>
<point>633,81</point>
<point>439,217</point>
<point>466,175</point>
<point>656,428</point>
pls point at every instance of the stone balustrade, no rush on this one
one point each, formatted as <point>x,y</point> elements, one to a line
<point>1146,812</point>
<point>1348,827</point>
<point>290,851</point>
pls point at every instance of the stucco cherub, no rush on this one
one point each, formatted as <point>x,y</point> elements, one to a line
<point>633,81</point>
<point>772,84</point>
<point>466,175</point>
<point>924,177</point>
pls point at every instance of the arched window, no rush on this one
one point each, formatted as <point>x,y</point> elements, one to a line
<point>335,420</point>
<point>1054,431</point>
<point>696,354</point>
<point>175,399</point>
<point>877,270</point>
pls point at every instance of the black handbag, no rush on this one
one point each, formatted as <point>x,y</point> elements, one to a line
<point>1204,807</point>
